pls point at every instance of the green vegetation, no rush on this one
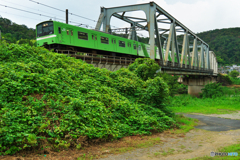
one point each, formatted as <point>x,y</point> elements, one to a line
<point>234,73</point>
<point>212,90</point>
<point>12,32</point>
<point>49,99</point>
<point>235,81</point>
<point>186,124</point>
<point>224,79</point>
<point>174,86</point>
<point>227,103</point>
<point>224,43</point>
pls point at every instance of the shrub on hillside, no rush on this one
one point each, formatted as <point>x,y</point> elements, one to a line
<point>144,68</point>
<point>49,99</point>
<point>212,90</point>
<point>234,73</point>
<point>224,79</point>
<point>172,82</point>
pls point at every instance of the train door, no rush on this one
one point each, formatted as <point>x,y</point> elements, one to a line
<point>94,39</point>
<point>135,48</point>
<point>69,36</point>
<point>114,44</point>
<point>60,37</point>
<point>129,48</point>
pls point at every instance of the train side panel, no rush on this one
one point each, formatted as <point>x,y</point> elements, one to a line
<point>70,35</point>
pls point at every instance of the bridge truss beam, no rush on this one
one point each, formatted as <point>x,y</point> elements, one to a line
<point>153,20</point>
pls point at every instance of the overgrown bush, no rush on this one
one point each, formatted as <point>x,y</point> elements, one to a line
<point>49,99</point>
<point>183,89</point>
<point>234,73</point>
<point>144,68</point>
<point>212,90</point>
<point>172,82</point>
<point>235,81</point>
<point>224,79</point>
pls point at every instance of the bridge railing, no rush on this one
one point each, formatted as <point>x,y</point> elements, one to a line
<point>125,61</point>
<point>174,66</point>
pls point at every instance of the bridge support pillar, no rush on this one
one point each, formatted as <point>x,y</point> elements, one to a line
<point>196,83</point>
<point>195,90</point>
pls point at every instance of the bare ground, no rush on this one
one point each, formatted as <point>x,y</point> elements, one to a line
<point>196,143</point>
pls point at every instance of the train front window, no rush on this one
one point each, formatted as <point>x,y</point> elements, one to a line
<point>44,29</point>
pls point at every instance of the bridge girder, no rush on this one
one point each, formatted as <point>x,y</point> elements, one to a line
<point>152,12</point>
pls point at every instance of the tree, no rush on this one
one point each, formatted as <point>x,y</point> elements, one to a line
<point>234,73</point>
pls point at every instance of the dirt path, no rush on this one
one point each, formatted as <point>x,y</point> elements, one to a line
<point>196,143</point>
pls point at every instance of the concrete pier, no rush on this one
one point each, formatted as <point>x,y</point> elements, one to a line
<point>196,83</point>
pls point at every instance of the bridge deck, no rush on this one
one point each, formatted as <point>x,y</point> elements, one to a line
<point>169,67</point>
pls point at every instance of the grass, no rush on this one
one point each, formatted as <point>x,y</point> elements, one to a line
<point>186,124</point>
<point>169,152</point>
<point>220,105</point>
<point>182,146</point>
<point>235,81</point>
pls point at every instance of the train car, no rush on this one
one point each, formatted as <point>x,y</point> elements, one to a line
<point>61,36</point>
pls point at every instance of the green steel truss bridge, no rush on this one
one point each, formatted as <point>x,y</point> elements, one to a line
<point>194,58</point>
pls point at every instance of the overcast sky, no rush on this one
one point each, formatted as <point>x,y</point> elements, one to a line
<point>197,15</point>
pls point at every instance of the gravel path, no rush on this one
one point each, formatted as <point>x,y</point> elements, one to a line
<point>196,143</point>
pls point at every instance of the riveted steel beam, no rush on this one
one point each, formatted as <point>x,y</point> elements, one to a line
<point>184,49</point>
<point>130,21</point>
<point>194,53</point>
<point>170,37</point>
<point>158,40</point>
<point>176,43</point>
<point>136,18</point>
<point>201,59</point>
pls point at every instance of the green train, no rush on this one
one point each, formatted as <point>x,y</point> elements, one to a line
<point>62,36</point>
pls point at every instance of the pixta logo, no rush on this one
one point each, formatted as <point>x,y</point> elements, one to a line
<point>212,154</point>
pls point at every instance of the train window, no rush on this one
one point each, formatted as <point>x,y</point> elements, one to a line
<point>59,30</point>
<point>121,44</point>
<point>134,46</point>
<point>95,37</point>
<point>92,37</point>
<point>114,41</point>
<point>82,35</point>
<point>139,48</point>
<point>71,33</point>
<point>44,29</point>
<point>104,40</point>
<point>67,32</point>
